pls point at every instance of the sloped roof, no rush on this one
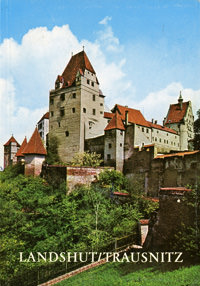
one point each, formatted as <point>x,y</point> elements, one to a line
<point>45,116</point>
<point>115,123</point>
<point>176,113</point>
<point>12,139</point>
<point>108,115</point>
<point>78,62</point>
<point>134,115</point>
<point>180,154</point>
<point>19,152</point>
<point>35,145</point>
<point>160,127</point>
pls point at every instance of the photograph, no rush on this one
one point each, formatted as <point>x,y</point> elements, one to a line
<point>100,142</point>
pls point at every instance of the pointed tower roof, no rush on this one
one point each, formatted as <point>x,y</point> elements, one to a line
<point>77,63</point>
<point>35,145</point>
<point>19,152</point>
<point>12,139</point>
<point>115,123</point>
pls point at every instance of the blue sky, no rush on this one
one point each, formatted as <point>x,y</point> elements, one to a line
<point>144,52</point>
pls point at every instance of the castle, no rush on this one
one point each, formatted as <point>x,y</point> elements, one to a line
<point>77,118</point>
<point>124,138</point>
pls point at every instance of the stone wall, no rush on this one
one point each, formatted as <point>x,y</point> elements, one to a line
<point>174,210</point>
<point>33,164</point>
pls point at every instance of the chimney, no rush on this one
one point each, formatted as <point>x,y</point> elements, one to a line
<point>126,117</point>
<point>155,121</point>
<point>180,101</point>
<point>152,120</point>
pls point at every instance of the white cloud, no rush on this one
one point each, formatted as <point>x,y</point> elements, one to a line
<point>105,20</point>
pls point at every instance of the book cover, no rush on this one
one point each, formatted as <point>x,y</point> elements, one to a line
<point>99,142</point>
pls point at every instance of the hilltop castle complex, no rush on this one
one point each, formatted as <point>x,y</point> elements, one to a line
<point>124,138</point>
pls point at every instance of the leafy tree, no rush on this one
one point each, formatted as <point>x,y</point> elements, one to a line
<point>87,159</point>
<point>197,132</point>
<point>52,151</point>
<point>114,180</point>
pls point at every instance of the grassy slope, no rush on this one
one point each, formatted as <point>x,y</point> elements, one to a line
<point>112,274</point>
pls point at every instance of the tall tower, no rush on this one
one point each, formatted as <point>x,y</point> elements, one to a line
<point>76,107</point>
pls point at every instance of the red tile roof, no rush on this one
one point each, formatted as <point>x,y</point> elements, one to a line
<point>134,115</point>
<point>19,152</point>
<point>179,189</point>
<point>121,194</point>
<point>160,127</point>
<point>78,62</point>
<point>108,115</point>
<point>115,123</point>
<point>175,113</point>
<point>12,139</point>
<point>35,145</point>
<point>180,154</point>
<point>144,221</point>
<point>45,116</point>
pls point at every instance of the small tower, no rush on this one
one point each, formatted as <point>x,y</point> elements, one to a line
<point>180,118</point>
<point>43,127</point>
<point>10,149</point>
<point>34,155</point>
<point>19,154</point>
<point>114,142</point>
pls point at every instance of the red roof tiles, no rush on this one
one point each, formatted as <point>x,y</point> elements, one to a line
<point>179,189</point>
<point>160,127</point>
<point>19,152</point>
<point>134,115</point>
<point>45,116</point>
<point>78,62</point>
<point>12,139</point>
<point>115,123</point>
<point>176,113</point>
<point>180,154</point>
<point>108,115</point>
<point>35,145</point>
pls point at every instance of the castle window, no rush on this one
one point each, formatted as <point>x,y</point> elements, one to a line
<point>101,112</point>
<point>157,131</point>
<point>108,156</point>
<point>160,140</point>
<point>84,110</point>
<point>147,130</point>
<point>93,97</point>
<point>164,141</point>
<point>108,120</point>
<point>156,139</point>
<point>52,113</point>
<point>142,129</point>
<point>109,145</point>
<point>58,124</point>
<point>92,83</point>
<point>62,96</point>
<point>167,141</point>
<point>120,144</point>
<point>73,110</point>
<point>40,126</point>
<point>62,112</point>
<point>101,104</point>
<point>66,133</point>
<point>94,111</point>
<point>51,101</point>
<point>88,81</point>
<point>121,132</point>
<point>74,95</point>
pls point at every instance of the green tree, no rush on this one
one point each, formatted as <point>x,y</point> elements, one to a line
<point>52,151</point>
<point>87,159</point>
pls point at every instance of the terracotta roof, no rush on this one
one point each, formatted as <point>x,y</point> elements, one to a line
<point>45,116</point>
<point>78,62</point>
<point>160,127</point>
<point>12,139</point>
<point>144,221</point>
<point>179,189</point>
<point>134,115</point>
<point>175,113</point>
<point>180,154</point>
<point>35,145</point>
<point>108,115</point>
<point>19,152</point>
<point>115,123</point>
<point>121,194</point>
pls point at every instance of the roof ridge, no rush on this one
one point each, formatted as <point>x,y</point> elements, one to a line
<point>35,145</point>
